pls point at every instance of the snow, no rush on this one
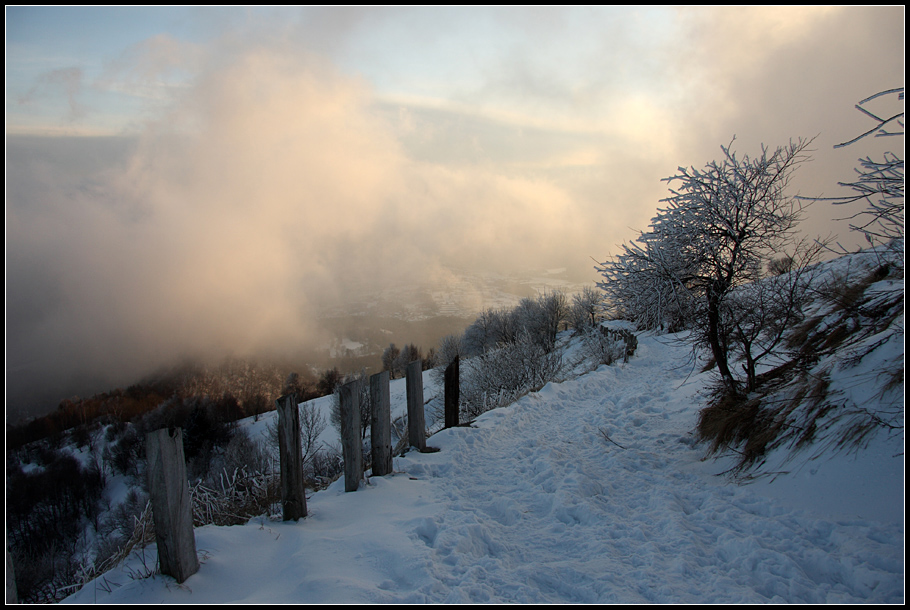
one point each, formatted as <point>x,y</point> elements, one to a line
<point>588,491</point>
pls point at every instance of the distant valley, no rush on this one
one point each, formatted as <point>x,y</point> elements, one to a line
<point>422,315</point>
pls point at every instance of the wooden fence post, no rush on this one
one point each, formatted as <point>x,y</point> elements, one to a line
<point>351,447</point>
<point>452,391</point>
<point>293,493</point>
<point>416,424</point>
<point>381,424</point>
<point>171,503</point>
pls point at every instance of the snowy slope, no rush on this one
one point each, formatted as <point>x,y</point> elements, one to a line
<point>588,491</point>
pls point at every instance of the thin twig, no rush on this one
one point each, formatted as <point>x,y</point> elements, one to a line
<point>607,437</point>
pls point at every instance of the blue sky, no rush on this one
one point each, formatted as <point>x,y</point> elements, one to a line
<point>562,67</point>
<point>452,56</point>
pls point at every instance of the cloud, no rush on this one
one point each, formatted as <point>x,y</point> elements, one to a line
<point>151,68</point>
<point>271,184</point>
<point>273,187</point>
<point>68,80</point>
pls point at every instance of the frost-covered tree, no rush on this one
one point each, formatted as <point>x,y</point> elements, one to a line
<point>503,326</point>
<point>718,228</point>
<point>540,318</point>
<point>409,353</point>
<point>646,284</point>
<point>450,346</point>
<point>555,306</point>
<point>480,336</point>
<point>758,314</point>
<point>586,308</point>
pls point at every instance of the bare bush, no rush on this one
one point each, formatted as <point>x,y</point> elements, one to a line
<point>366,402</point>
<point>587,307</point>
<point>312,425</point>
<point>880,183</point>
<point>781,265</point>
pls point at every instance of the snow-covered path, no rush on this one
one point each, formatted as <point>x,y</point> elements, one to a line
<point>589,491</point>
<point>540,506</point>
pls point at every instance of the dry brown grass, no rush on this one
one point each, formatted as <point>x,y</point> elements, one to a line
<point>816,408</point>
<point>752,426</point>
<point>837,335</point>
<point>895,381</point>
<point>800,338</point>
<point>727,422</point>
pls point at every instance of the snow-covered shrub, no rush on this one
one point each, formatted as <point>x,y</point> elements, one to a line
<point>606,346</point>
<point>539,319</point>
<point>235,496</point>
<point>326,466</point>
<point>450,346</point>
<point>501,375</point>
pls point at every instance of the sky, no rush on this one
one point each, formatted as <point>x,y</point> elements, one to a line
<point>206,179</point>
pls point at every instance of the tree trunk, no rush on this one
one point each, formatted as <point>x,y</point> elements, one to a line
<point>717,347</point>
<point>749,367</point>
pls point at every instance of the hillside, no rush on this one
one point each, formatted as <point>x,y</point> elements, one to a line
<point>592,490</point>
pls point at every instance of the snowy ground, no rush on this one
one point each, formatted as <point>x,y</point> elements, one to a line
<point>535,505</point>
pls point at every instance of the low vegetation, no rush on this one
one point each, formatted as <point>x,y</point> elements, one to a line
<point>854,318</point>
<point>61,528</point>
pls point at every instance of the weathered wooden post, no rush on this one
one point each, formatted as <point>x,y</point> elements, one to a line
<point>293,493</point>
<point>451,394</point>
<point>171,503</point>
<point>351,447</point>
<point>416,423</point>
<point>381,424</point>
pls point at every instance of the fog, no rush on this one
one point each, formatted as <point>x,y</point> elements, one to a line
<point>271,192</point>
<point>274,183</point>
